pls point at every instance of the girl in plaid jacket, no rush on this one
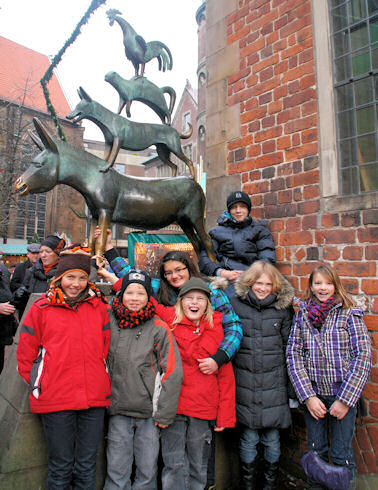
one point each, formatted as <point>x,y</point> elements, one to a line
<point>329,361</point>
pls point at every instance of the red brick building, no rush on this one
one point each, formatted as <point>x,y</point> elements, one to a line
<point>21,99</point>
<point>291,120</point>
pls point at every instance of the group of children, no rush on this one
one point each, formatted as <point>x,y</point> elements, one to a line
<point>159,359</point>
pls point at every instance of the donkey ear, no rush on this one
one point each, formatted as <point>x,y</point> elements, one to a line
<point>83,95</point>
<point>46,138</point>
<point>35,139</point>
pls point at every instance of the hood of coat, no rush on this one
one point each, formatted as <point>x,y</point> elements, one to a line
<point>284,296</point>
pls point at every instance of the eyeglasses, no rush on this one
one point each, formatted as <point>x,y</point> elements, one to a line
<point>176,271</point>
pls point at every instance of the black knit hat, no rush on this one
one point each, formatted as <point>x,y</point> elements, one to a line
<point>139,277</point>
<point>238,196</point>
<point>195,283</point>
<point>54,242</point>
<point>73,258</point>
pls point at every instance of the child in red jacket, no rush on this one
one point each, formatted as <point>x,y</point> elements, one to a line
<point>203,398</point>
<point>64,341</point>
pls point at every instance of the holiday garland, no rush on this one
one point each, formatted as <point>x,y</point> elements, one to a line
<point>55,61</point>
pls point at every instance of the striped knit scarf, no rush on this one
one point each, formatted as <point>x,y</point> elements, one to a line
<point>131,319</point>
<point>317,312</point>
<point>56,296</point>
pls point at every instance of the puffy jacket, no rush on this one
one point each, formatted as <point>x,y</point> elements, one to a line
<point>237,245</point>
<point>333,361</point>
<point>207,397</point>
<point>146,371</point>
<point>8,323</point>
<point>61,355</point>
<point>260,365</point>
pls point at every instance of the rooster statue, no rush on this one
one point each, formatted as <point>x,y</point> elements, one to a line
<point>137,50</point>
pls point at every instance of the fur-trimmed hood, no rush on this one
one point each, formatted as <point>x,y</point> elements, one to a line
<point>284,296</point>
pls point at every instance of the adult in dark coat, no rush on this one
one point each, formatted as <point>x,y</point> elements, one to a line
<point>263,303</point>
<point>38,277</point>
<point>20,269</point>
<point>8,323</point>
<point>238,240</point>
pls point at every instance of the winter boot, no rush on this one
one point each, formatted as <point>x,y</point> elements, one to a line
<point>249,471</point>
<point>270,475</point>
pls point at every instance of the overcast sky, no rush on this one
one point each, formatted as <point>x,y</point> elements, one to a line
<point>45,25</point>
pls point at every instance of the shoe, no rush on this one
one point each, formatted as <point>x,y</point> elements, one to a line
<point>248,471</point>
<point>270,475</point>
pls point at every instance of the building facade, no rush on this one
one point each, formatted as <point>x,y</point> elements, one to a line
<point>291,119</point>
<point>21,99</point>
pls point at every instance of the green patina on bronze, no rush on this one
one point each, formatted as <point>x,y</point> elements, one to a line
<point>141,89</point>
<point>119,132</point>
<point>112,197</point>
<point>137,50</point>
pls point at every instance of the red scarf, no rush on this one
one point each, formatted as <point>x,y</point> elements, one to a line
<point>131,319</point>
<point>56,296</point>
<point>317,311</point>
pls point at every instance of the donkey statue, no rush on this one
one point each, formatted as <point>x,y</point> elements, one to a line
<point>119,133</point>
<point>140,203</point>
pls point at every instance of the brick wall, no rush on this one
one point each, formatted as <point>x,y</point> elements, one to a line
<point>278,161</point>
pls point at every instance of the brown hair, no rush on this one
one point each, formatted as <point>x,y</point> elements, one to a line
<point>179,312</point>
<point>167,294</point>
<point>328,272</point>
<point>257,269</point>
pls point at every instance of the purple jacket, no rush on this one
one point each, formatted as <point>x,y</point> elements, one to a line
<point>333,361</point>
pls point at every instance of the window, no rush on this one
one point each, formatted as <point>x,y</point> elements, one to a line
<point>354,31</point>
<point>188,151</point>
<point>186,122</point>
<point>201,133</point>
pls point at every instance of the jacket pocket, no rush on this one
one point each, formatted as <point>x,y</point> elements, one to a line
<point>37,374</point>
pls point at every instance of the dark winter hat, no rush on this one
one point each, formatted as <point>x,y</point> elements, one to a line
<point>139,277</point>
<point>192,284</point>
<point>33,248</point>
<point>238,196</point>
<point>73,258</point>
<point>54,242</point>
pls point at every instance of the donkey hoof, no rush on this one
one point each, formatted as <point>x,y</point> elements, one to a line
<point>104,169</point>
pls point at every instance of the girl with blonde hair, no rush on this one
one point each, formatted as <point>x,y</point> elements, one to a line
<point>263,303</point>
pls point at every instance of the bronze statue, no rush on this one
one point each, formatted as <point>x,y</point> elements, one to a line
<point>141,203</point>
<point>141,89</point>
<point>119,132</point>
<point>137,50</point>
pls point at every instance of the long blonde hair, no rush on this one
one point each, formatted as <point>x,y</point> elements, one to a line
<point>329,273</point>
<point>179,312</point>
<point>257,269</point>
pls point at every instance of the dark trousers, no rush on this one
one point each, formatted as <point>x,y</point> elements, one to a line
<point>340,449</point>
<point>72,439</point>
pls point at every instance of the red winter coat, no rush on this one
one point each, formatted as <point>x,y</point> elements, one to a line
<point>208,397</point>
<point>61,355</point>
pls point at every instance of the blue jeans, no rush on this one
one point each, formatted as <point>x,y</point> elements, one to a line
<point>342,431</point>
<point>72,439</point>
<point>185,447</point>
<point>130,438</point>
<point>269,438</point>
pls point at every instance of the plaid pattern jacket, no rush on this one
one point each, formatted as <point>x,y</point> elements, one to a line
<point>333,361</point>
<point>232,328</point>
